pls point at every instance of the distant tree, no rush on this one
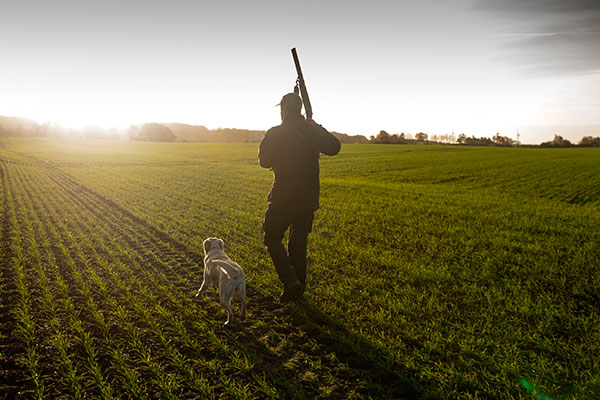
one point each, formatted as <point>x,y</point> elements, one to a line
<point>398,138</point>
<point>562,142</point>
<point>52,129</point>
<point>558,141</point>
<point>589,141</point>
<point>344,138</point>
<point>473,141</point>
<point>15,126</point>
<point>191,133</point>
<point>484,141</point>
<point>383,137</point>
<point>449,138</point>
<point>421,137</point>
<point>233,135</point>
<point>386,138</point>
<point>154,132</point>
<point>502,140</point>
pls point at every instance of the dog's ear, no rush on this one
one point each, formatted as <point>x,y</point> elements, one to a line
<point>221,244</point>
<point>206,245</point>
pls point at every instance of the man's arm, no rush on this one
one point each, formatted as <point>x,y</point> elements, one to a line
<point>265,151</point>
<point>328,144</point>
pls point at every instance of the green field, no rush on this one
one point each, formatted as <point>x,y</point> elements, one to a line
<point>434,272</point>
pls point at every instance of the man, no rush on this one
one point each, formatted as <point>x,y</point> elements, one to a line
<point>292,151</point>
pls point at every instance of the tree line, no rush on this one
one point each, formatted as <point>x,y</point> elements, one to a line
<point>171,132</point>
<point>559,141</point>
<point>462,139</point>
<point>152,132</point>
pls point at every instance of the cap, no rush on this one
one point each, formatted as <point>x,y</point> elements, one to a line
<point>291,101</point>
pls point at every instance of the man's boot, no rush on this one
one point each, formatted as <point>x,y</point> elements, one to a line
<point>292,291</point>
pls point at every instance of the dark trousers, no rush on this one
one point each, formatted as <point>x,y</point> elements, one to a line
<point>290,264</point>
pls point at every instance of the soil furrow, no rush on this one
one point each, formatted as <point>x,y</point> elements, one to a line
<point>10,347</point>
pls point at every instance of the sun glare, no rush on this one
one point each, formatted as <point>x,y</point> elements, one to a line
<point>69,112</point>
<point>78,116</point>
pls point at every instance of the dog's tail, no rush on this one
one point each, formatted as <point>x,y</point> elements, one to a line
<point>229,270</point>
<point>226,272</point>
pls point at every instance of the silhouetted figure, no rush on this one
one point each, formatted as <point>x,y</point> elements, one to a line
<point>292,151</point>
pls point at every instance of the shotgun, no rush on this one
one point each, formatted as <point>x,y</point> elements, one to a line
<point>302,86</point>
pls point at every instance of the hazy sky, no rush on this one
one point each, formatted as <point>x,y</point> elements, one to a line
<point>403,66</point>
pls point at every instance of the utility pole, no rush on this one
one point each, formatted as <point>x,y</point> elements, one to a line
<point>518,136</point>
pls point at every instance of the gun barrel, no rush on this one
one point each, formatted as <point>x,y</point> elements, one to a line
<point>303,91</point>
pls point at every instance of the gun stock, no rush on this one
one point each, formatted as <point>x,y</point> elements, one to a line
<point>300,83</point>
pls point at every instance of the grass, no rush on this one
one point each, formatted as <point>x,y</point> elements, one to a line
<point>435,272</point>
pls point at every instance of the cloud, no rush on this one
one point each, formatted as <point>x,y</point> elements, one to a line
<point>550,36</point>
<point>558,53</point>
<point>539,6</point>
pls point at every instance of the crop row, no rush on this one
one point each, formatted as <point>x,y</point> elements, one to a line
<point>81,277</point>
<point>444,269</point>
<point>444,266</point>
<point>434,272</point>
<point>104,306</point>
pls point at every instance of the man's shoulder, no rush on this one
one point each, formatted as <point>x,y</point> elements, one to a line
<point>279,131</point>
<point>299,125</point>
<point>307,126</point>
<point>275,130</point>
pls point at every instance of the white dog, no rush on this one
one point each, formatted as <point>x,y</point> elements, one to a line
<point>223,274</point>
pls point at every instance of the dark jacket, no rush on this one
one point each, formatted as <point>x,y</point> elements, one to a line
<point>291,150</point>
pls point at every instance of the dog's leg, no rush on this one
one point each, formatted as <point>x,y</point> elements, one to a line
<point>205,283</point>
<point>225,298</point>
<point>203,288</point>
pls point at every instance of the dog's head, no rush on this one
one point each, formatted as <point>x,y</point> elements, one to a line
<point>213,243</point>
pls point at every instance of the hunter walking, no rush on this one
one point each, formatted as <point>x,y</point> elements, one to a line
<point>292,151</point>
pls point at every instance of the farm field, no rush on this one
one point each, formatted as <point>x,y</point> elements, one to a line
<point>434,272</point>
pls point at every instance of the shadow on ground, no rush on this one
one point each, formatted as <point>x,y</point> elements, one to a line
<point>307,353</point>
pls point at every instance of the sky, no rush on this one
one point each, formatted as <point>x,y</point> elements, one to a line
<point>437,66</point>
